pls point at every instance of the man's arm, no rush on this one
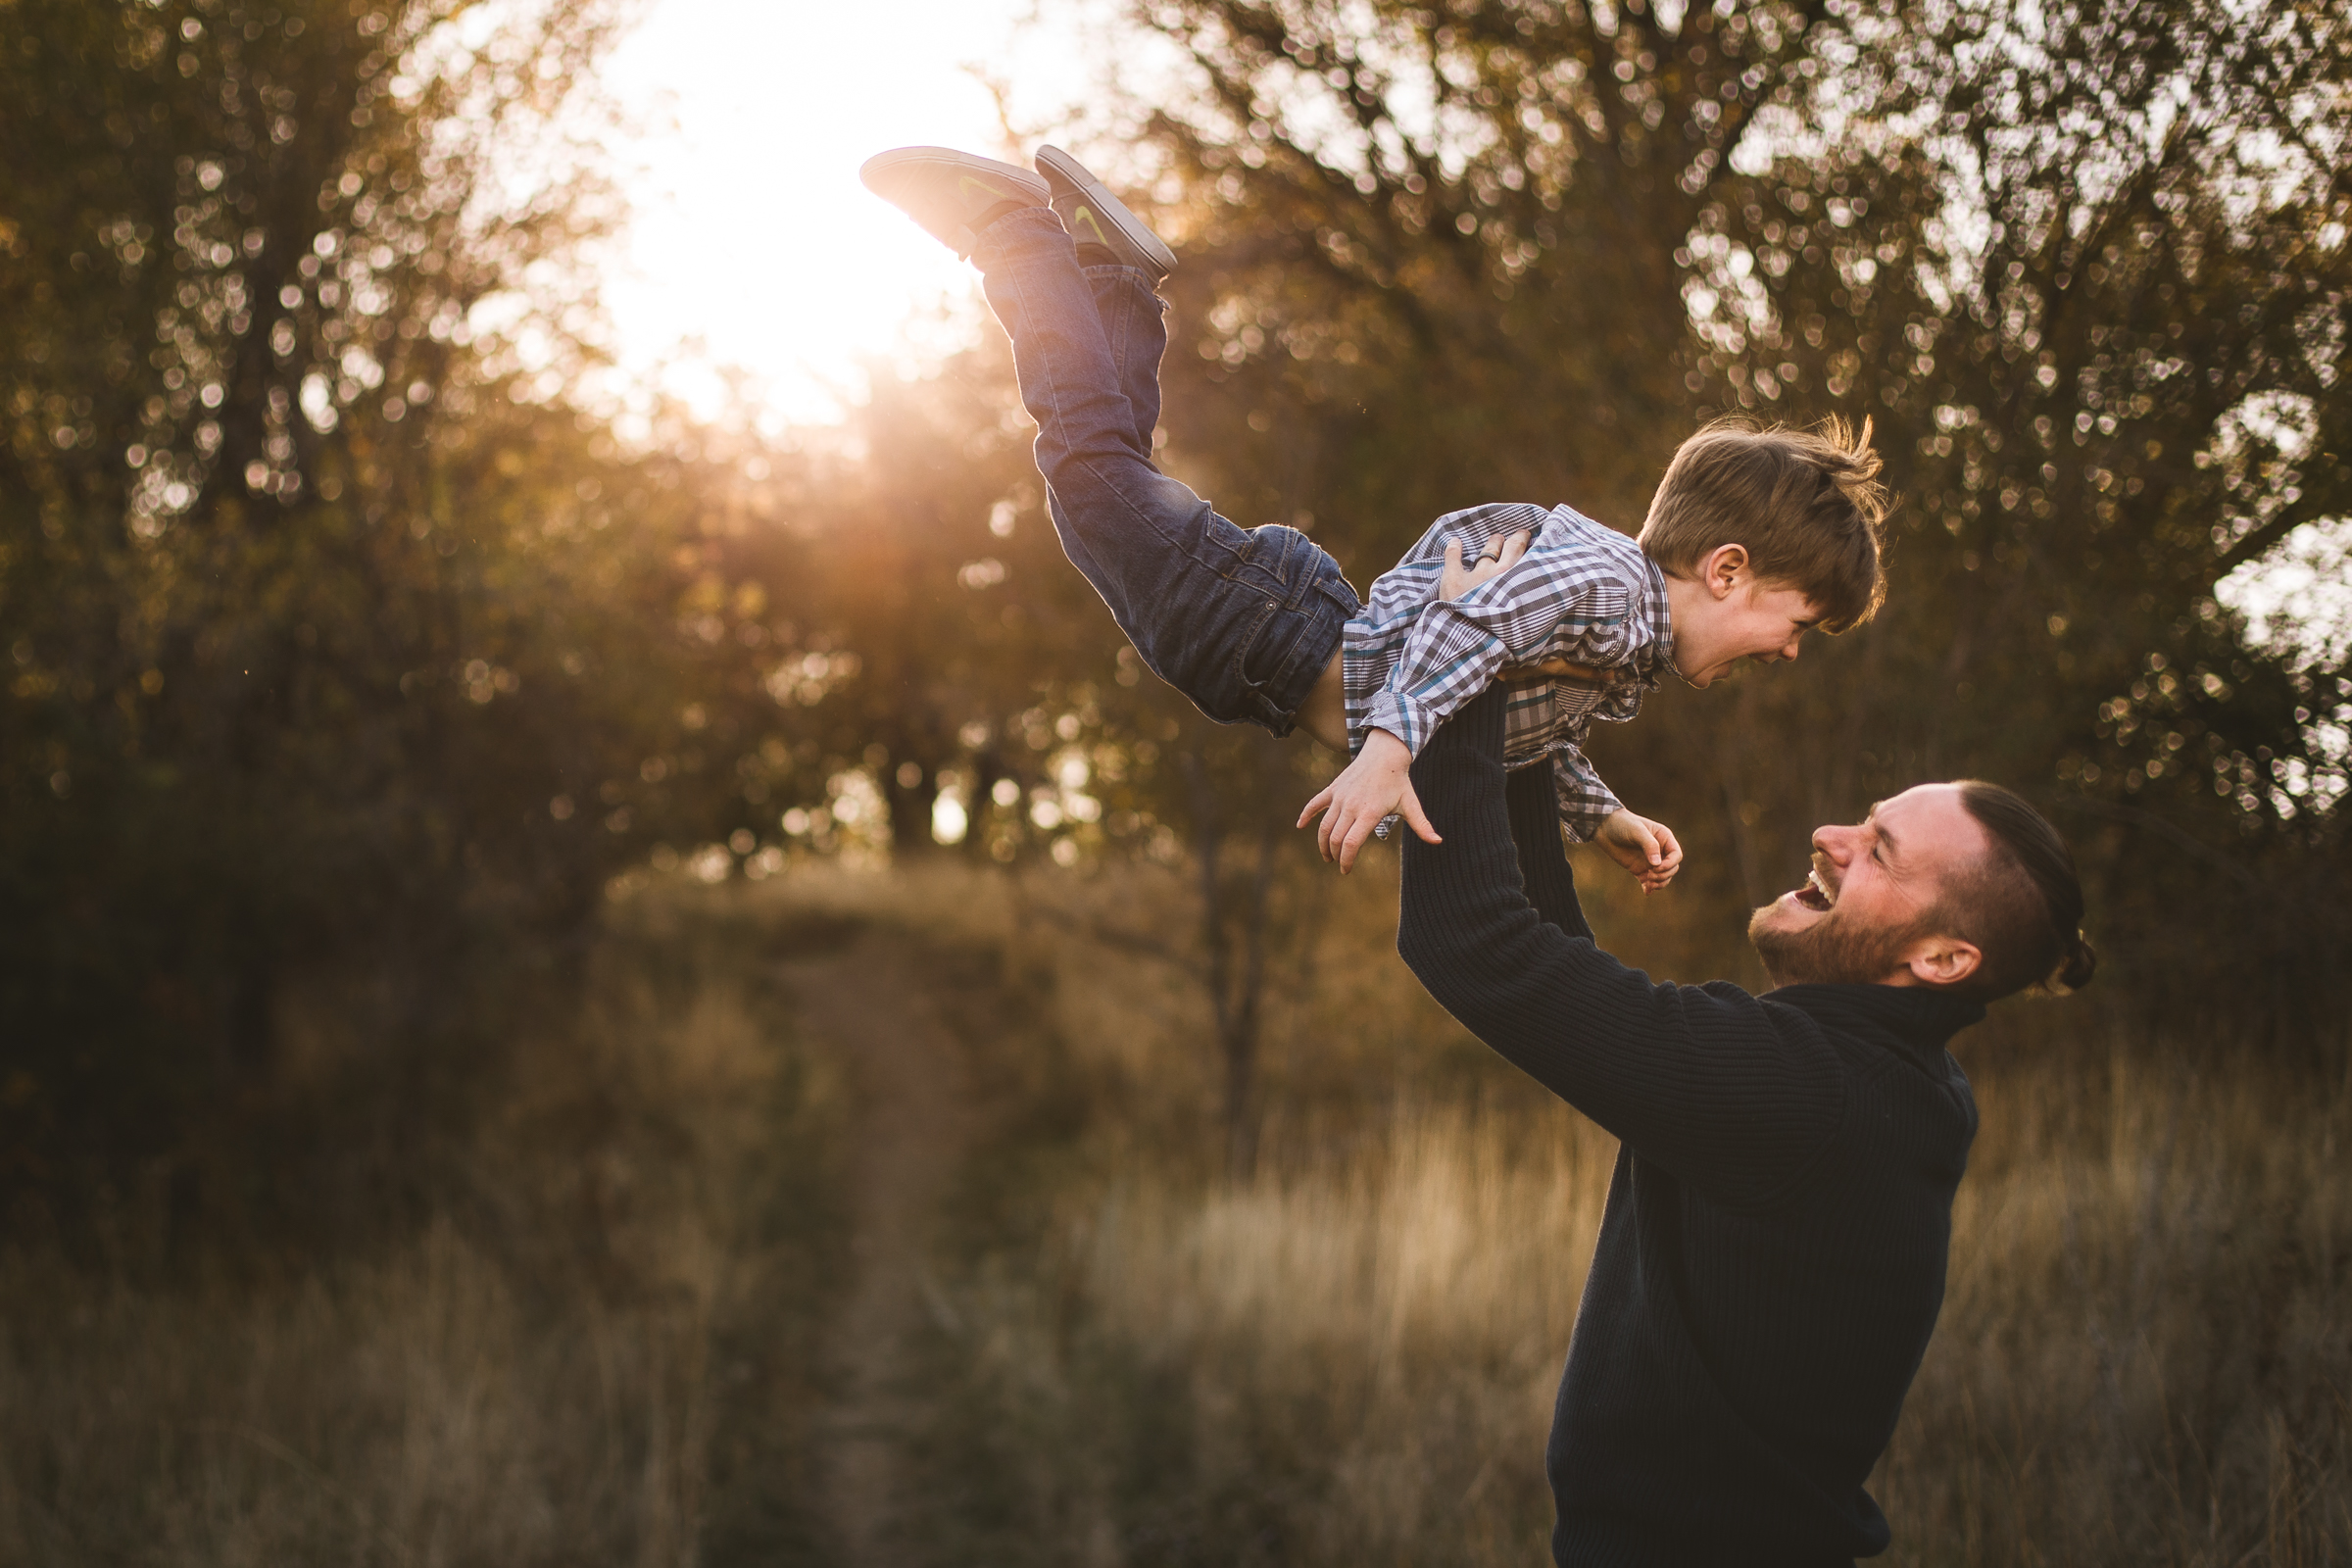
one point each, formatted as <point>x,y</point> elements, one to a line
<point>1732,1094</point>
<point>1543,870</point>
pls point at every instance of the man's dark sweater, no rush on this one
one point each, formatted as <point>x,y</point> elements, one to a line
<point>1771,1257</point>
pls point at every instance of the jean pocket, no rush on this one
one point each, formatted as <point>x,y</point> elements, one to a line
<point>1243,686</point>
<point>1290,566</point>
<point>1272,632</point>
<point>1290,652</point>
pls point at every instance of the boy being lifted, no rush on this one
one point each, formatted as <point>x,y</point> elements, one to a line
<point>1754,537</point>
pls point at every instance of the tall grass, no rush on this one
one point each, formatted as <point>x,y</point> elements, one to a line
<point>417,1410</point>
<point>2147,1350</point>
<point>2143,1357</point>
<point>605,1347</point>
<point>532,1376</point>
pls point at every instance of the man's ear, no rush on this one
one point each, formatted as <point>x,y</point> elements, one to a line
<point>1942,960</point>
<point>1723,569</point>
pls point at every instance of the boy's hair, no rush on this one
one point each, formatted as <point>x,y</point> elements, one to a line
<point>1806,504</point>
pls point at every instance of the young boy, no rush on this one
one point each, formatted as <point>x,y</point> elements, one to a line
<point>1754,537</point>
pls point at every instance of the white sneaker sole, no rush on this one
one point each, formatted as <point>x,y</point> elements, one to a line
<point>874,173</point>
<point>1109,209</point>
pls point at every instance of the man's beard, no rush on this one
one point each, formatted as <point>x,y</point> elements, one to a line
<point>1829,951</point>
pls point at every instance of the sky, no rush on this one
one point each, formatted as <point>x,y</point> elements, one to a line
<point>753,243</point>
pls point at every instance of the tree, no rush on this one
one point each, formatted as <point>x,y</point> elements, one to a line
<point>2088,268</point>
<point>325,654</point>
<point>2085,267</point>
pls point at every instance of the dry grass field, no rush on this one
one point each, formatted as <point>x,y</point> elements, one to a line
<point>595,1351</point>
<point>624,1344</point>
<point>2144,1357</point>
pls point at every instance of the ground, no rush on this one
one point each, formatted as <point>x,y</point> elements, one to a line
<point>867,1005</point>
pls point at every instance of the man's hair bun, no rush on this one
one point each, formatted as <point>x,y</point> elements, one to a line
<point>2073,972</point>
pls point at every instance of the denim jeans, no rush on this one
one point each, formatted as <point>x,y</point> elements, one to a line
<point>1242,622</point>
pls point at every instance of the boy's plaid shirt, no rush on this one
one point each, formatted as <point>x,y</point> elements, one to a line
<point>1582,593</point>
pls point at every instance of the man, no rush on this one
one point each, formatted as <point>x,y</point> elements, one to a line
<point>1771,1257</point>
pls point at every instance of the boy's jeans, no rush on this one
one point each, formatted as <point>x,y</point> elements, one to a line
<point>1241,622</point>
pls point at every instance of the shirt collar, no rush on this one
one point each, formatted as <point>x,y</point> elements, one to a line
<point>1658,653</point>
<point>1921,1017</point>
<point>1654,610</point>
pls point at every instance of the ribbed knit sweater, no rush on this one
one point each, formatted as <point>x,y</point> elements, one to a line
<point>1771,1259</point>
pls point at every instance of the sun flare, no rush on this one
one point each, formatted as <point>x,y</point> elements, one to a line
<point>752,245</point>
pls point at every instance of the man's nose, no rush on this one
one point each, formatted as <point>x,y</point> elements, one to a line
<point>1834,842</point>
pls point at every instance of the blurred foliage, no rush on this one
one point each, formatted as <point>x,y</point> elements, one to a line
<point>2086,267</point>
<point>337,639</point>
<point>348,634</point>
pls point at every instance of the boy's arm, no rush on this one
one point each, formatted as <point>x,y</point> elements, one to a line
<point>1456,646</point>
<point>1376,789</point>
<point>1583,800</point>
<point>1729,1092</point>
<point>1593,814</point>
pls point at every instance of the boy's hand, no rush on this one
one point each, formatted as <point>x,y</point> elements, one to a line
<point>1644,848</point>
<point>1377,783</point>
<point>1458,579</point>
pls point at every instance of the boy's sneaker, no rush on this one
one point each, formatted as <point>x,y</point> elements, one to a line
<point>953,195</point>
<point>1095,216</point>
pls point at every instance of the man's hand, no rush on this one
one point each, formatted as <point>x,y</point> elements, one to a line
<point>1644,848</point>
<point>1458,579</point>
<point>1377,783</point>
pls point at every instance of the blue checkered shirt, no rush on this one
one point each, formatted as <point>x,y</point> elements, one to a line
<point>1582,593</point>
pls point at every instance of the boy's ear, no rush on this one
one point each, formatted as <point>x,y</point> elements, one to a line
<point>1723,568</point>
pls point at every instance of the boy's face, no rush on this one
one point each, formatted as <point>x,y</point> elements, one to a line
<point>1762,622</point>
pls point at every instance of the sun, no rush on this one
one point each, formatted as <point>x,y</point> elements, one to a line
<point>753,245</point>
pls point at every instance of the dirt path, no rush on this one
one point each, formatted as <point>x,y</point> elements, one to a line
<point>868,1002</point>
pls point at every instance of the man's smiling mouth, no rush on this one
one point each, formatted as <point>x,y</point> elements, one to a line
<point>1818,893</point>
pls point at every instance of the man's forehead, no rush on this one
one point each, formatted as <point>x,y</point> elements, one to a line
<point>1928,820</point>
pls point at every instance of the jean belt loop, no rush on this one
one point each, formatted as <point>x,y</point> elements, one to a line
<point>1298,572</point>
